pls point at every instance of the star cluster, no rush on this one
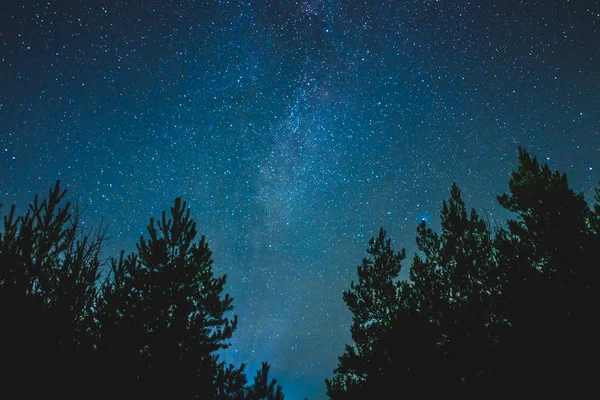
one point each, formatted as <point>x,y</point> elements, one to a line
<point>294,129</point>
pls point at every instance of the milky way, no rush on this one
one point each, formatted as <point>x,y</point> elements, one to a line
<point>294,130</point>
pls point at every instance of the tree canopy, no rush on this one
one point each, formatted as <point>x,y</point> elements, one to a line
<point>505,310</point>
<point>151,329</point>
<point>485,310</point>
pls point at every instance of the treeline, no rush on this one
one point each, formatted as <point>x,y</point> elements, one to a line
<point>151,329</point>
<point>486,311</point>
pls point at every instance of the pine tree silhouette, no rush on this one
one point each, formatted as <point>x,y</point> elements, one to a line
<point>163,310</point>
<point>483,313</point>
<point>151,329</point>
<point>262,388</point>
<point>549,252</point>
<point>48,269</point>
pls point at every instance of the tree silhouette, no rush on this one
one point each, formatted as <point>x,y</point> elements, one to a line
<point>550,254</point>
<point>373,304</point>
<point>482,312</point>
<point>151,329</point>
<point>457,285</point>
<point>48,270</point>
<point>167,295</point>
<point>262,389</point>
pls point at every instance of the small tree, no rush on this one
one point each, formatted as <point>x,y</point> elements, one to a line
<point>262,388</point>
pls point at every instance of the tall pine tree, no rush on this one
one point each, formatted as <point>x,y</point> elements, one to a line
<point>48,270</point>
<point>504,312</point>
<point>550,257</point>
<point>456,285</point>
<point>373,303</point>
<point>165,313</point>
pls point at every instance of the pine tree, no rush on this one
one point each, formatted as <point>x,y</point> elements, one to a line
<point>151,329</point>
<point>262,388</point>
<point>482,312</point>
<point>48,270</point>
<point>163,311</point>
<point>550,252</point>
<point>437,327</point>
<point>456,284</point>
<point>231,383</point>
<point>373,301</point>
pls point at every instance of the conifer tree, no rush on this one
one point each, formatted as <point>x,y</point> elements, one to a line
<point>373,303</point>
<point>231,383</point>
<point>484,312</point>
<point>456,284</point>
<point>164,312</point>
<point>48,270</point>
<point>550,253</point>
<point>151,329</point>
<point>262,388</point>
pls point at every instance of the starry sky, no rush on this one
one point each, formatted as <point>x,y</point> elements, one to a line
<point>294,130</point>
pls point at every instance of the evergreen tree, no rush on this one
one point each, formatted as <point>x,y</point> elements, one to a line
<point>456,284</point>
<point>151,329</point>
<point>550,253</point>
<point>164,312</point>
<point>48,270</point>
<point>482,312</point>
<point>262,388</point>
<point>231,383</point>
<point>438,327</point>
<point>373,303</point>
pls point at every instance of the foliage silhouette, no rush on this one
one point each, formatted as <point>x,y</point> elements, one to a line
<point>262,389</point>
<point>483,312</point>
<point>48,269</point>
<point>504,312</point>
<point>167,294</point>
<point>551,285</point>
<point>152,329</point>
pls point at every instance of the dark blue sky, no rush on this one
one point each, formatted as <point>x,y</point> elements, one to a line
<point>294,129</point>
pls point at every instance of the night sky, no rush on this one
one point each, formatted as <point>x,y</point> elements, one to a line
<point>294,129</point>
